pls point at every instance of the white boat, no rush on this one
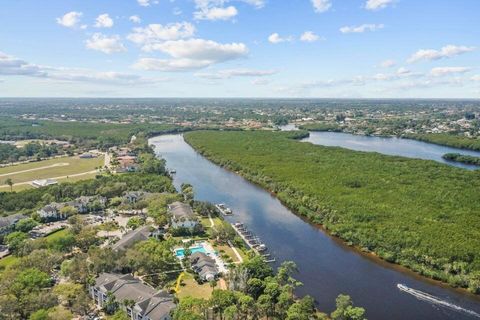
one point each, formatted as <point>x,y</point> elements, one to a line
<point>226,211</point>
<point>435,300</point>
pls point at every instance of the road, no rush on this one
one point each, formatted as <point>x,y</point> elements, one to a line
<point>55,178</point>
<point>61,164</point>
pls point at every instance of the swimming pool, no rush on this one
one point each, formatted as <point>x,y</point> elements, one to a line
<point>181,252</point>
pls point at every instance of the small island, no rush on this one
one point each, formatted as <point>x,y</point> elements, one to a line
<point>463,158</point>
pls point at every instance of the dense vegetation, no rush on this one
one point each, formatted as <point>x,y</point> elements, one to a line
<point>94,134</point>
<point>10,153</point>
<point>109,186</point>
<point>463,158</point>
<point>450,140</point>
<point>417,213</point>
<point>321,126</point>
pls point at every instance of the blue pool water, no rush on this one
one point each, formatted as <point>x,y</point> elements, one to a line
<point>181,252</point>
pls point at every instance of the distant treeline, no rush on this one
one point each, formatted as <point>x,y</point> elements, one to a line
<point>101,135</point>
<point>463,158</point>
<point>10,153</point>
<point>417,213</point>
<point>321,126</point>
<point>446,139</point>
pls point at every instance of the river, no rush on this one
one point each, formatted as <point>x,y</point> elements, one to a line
<point>326,266</point>
<point>391,146</point>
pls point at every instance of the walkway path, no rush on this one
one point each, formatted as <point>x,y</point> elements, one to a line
<point>239,257</point>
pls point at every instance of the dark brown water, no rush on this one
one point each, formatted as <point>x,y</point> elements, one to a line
<point>327,267</point>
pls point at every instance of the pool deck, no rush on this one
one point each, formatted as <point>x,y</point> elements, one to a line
<point>208,250</point>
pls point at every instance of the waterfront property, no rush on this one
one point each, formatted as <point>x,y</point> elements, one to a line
<point>147,303</point>
<point>203,251</point>
<point>182,216</point>
<point>204,266</point>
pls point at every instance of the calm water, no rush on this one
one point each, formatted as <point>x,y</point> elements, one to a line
<point>327,268</point>
<point>391,146</point>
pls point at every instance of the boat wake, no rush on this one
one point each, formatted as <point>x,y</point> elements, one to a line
<point>435,300</point>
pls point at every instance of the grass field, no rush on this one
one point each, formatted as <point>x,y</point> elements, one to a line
<point>190,287</point>
<point>5,262</point>
<point>54,168</point>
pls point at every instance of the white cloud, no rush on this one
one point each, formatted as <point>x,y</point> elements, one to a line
<point>154,34</point>
<point>362,28</point>
<point>445,52</point>
<point>70,19</point>
<point>256,3</point>
<point>444,71</point>
<point>135,19</point>
<point>321,5</point>
<point>377,4</point>
<point>144,3</point>
<point>309,36</point>
<point>231,73</point>
<point>192,54</point>
<point>403,71</point>
<point>173,65</point>
<point>104,21</point>
<point>475,78</point>
<point>105,44</point>
<point>218,9</point>
<point>260,82</point>
<point>388,63</point>
<point>11,66</point>
<point>275,38</point>
<point>216,13</point>
<point>200,49</point>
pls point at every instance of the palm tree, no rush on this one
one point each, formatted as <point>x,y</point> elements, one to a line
<point>10,183</point>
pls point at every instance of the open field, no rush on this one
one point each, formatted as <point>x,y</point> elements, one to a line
<point>69,168</point>
<point>190,287</point>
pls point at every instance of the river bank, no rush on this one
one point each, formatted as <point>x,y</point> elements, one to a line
<point>327,266</point>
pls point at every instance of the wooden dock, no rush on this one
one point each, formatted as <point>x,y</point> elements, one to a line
<point>252,241</point>
<point>224,209</point>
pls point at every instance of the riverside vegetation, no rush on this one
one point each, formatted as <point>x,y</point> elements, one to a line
<point>417,213</point>
<point>463,158</point>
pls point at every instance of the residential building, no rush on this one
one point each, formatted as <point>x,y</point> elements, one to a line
<point>147,303</point>
<point>51,211</point>
<point>204,266</point>
<point>182,216</point>
<point>7,224</point>
<point>135,196</point>
<point>132,237</point>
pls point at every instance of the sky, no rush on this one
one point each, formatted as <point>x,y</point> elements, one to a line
<point>240,48</point>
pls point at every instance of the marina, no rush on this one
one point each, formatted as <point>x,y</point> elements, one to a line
<point>252,241</point>
<point>326,266</point>
<point>226,211</point>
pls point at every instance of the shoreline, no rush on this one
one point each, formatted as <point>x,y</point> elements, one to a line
<point>371,255</point>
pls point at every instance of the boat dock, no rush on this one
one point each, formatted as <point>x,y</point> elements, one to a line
<point>226,211</point>
<point>252,241</point>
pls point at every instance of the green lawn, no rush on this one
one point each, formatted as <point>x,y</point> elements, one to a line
<point>5,262</point>
<point>60,167</point>
<point>57,234</point>
<point>190,288</point>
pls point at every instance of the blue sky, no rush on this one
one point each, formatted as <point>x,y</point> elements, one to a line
<point>240,48</point>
